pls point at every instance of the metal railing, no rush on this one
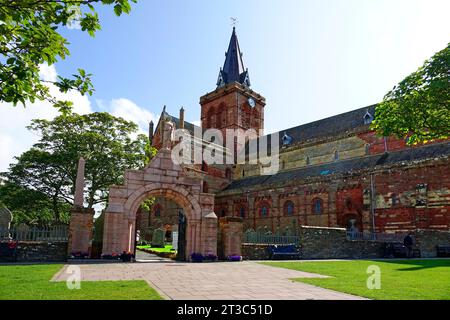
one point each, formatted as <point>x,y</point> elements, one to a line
<point>258,238</point>
<point>54,233</point>
<point>380,237</point>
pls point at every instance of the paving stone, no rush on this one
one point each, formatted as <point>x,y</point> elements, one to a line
<point>212,281</point>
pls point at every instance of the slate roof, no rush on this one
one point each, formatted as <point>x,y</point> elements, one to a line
<point>329,126</point>
<point>368,162</point>
<point>233,69</point>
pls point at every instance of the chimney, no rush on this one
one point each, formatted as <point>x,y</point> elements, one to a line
<point>182,118</point>
<point>150,131</point>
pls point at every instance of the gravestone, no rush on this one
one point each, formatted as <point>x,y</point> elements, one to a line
<point>158,238</point>
<point>260,230</point>
<point>278,231</point>
<point>5,223</point>
<point>288,232</point>
<point>175,240</point>
<point>5,219</point>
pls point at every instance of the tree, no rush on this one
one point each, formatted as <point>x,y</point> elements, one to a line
<point>29,37</point>
<point>50,166</point>
<point>32,207</point>
<point>418,108</point>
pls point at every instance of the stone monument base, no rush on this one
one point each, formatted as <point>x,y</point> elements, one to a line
<point>80,231</point>
<point>231,232</point>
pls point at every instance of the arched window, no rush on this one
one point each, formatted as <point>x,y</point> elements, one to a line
<point>204,166</point>
<point>243,173</point>
<point>367,148</point>
<point>336,155</point>
<point>223,213</point>
<point>205,187</point>
<point>228,174</point>
<point>264,212</point>
<point>317,206</point>
<point>219,120</point>
<point>368,118</point>
<point>242,212</point>
<point>308,160</point>
<point>395,199</point>
<point>157,211</point>
<point>289,208</point>
<point>211,118</point>
<point>223,117</point>
<point>349,203</point>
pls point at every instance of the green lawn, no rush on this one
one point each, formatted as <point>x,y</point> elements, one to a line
<point>405,280</point>
<point>33,283</point>
<point>167,248</point>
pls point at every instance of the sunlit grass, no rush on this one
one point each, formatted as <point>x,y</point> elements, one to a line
<point>400,280</point>
<point>33,283</point>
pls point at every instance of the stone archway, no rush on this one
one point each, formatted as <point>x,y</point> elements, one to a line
<point>161,178</point>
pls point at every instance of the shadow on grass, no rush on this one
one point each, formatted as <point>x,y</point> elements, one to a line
<point>420,264</point>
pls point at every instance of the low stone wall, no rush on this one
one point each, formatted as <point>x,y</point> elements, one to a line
<point>427,240</point>
<point>332,243</point>
<point>41,251</point>
<point>255,251</point>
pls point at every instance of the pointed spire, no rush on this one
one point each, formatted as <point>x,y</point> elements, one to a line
<point>233,69</point>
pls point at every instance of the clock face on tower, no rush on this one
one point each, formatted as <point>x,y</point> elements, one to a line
<point>251,102</point>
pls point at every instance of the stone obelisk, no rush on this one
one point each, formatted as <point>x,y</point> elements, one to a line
<point>81,219</point>
<point>79,185</point>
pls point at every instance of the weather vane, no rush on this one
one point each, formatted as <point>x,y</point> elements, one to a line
<point>234,21</point>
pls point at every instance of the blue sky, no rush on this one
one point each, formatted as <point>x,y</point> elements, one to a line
<point>310,58</point>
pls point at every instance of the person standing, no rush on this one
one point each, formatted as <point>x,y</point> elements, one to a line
<point>408,242</point>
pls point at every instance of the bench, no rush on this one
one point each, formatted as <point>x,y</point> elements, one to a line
<point>284,252</point>
<point>8,251</point>
<point>443,251</point>
<point>398,250</point>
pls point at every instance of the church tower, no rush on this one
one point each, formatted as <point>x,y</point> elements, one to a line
<point>233,105</point>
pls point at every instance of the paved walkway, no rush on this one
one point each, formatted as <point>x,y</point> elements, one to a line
<point>142,256</point>
<point>212,281</point>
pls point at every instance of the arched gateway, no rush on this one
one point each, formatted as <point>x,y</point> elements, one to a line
<point>161,178</point>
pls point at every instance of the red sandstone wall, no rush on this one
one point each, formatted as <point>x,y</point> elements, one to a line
<point>422,196</point>
<point>418,205</point>
<point>377,144</point>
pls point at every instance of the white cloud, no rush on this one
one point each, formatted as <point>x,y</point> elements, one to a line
<point>130,111</point>
<point>48,73</point>
<point>74,22</point>
<point>14,137</point>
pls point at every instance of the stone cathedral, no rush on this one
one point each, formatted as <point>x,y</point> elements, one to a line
<point>334,172</point>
